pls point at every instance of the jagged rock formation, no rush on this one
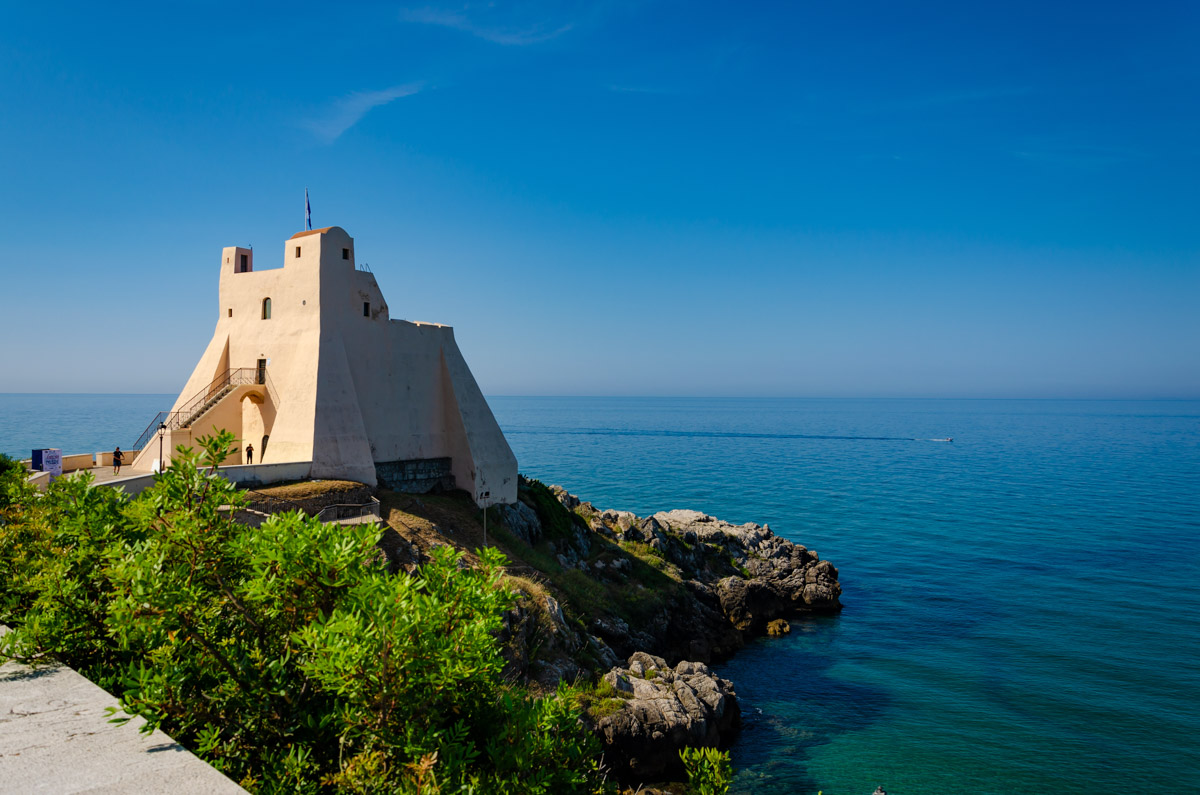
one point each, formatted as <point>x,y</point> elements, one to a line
<point>780,578</point>
<point>661,710</point>
<point>541,646</point>
<point>680,584</point>
<point>522,521</point>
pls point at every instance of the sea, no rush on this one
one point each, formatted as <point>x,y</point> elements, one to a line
<point>1022,603</point>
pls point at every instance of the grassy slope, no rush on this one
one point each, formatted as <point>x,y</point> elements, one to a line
<point>649,585</point>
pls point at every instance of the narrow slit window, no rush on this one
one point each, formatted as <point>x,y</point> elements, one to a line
<point>266,309</point>
<point>297,251</point>
<point>366,309</point>
<point>231,313</point>
<point>345,253</point>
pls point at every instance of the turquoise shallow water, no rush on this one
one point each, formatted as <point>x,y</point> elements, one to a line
<point>1022,605</point>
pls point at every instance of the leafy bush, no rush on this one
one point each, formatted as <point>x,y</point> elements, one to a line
<point>12,478</point>
<point>709,770</point>
<point>557,521</point>
<point>284,655</point>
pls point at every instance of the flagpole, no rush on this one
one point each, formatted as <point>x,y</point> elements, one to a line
<point>307,212</point>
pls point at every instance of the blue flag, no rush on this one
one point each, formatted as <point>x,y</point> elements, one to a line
<point>307,211</point>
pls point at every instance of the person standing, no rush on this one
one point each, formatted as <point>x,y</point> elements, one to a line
<point>118,457</point>
<point>249,454</point>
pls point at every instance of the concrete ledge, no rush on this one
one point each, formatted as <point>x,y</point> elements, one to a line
<point>71,463</point>
<point>56,738</point>
<point>39,479</point>
<point>133,485</point>
<point>265,474</point>
<point>247,475</point>
<point>104,457</point>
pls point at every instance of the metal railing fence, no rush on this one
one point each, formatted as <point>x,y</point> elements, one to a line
<point>206,398</point>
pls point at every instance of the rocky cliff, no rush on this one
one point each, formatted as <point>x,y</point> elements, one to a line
<point>632,608</point>
<point>678,584</point>
<point>667,594</point>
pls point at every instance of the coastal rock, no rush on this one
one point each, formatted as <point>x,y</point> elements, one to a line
<point>777,577</point>
<point>778,627</point>
<point>740,578</point>
<point>522,521</point>
<point>665,709</point>
<point>681,585</point>
<point>540,647</point>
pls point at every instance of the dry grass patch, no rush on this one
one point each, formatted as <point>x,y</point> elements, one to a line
<point>306,489</point>
<point>529,587</point>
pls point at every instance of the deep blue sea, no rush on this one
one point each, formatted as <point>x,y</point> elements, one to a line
<point>1022,605</point>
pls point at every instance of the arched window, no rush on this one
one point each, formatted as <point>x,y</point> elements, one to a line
<point>266,309</point>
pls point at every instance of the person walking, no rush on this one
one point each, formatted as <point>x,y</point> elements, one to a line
<point>249,454</point>
<point>118,457</point>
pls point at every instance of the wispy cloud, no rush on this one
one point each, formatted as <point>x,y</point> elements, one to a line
<point>349,110</point>
<point>507,35</point>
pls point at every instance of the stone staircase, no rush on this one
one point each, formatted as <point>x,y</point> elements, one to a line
<point>204,401</point>
<point>201,410</point>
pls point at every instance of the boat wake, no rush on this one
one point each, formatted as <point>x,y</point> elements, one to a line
<point>534,430</point>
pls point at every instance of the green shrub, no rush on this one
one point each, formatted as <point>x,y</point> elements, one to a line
<point>709,770</point>
<point>284,655</point>
<point>12,482</point>
<point>557,521</point>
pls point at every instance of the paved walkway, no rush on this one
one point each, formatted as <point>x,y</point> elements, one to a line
<point>55,738</point>
<point>105,474</point>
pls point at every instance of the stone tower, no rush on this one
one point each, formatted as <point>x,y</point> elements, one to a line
<point>306,364</point>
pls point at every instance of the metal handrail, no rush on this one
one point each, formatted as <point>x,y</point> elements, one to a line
<point>209,395</point>
<point>205,399</point>
<point>350,511</point>
<point>151,429</point>
<point>270,385</point>
<point>269,504</point>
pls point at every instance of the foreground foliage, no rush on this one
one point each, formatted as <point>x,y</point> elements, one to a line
<point>709,770</point>
<point>284,655</point>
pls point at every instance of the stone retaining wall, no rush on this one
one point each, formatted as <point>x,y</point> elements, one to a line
<point>416,475</point>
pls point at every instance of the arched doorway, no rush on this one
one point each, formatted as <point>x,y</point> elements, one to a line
<point>253,425</point>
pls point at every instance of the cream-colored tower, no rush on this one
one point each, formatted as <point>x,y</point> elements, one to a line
<point>306,365</point>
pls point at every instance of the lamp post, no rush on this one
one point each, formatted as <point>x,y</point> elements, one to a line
<point>162,431</point>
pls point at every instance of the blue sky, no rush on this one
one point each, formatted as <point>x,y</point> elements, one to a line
<point>835,199</point>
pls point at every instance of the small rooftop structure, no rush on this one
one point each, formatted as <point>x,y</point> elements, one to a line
<point>306,364</point>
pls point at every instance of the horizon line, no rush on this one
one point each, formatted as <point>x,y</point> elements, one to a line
<point>719,397</point>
